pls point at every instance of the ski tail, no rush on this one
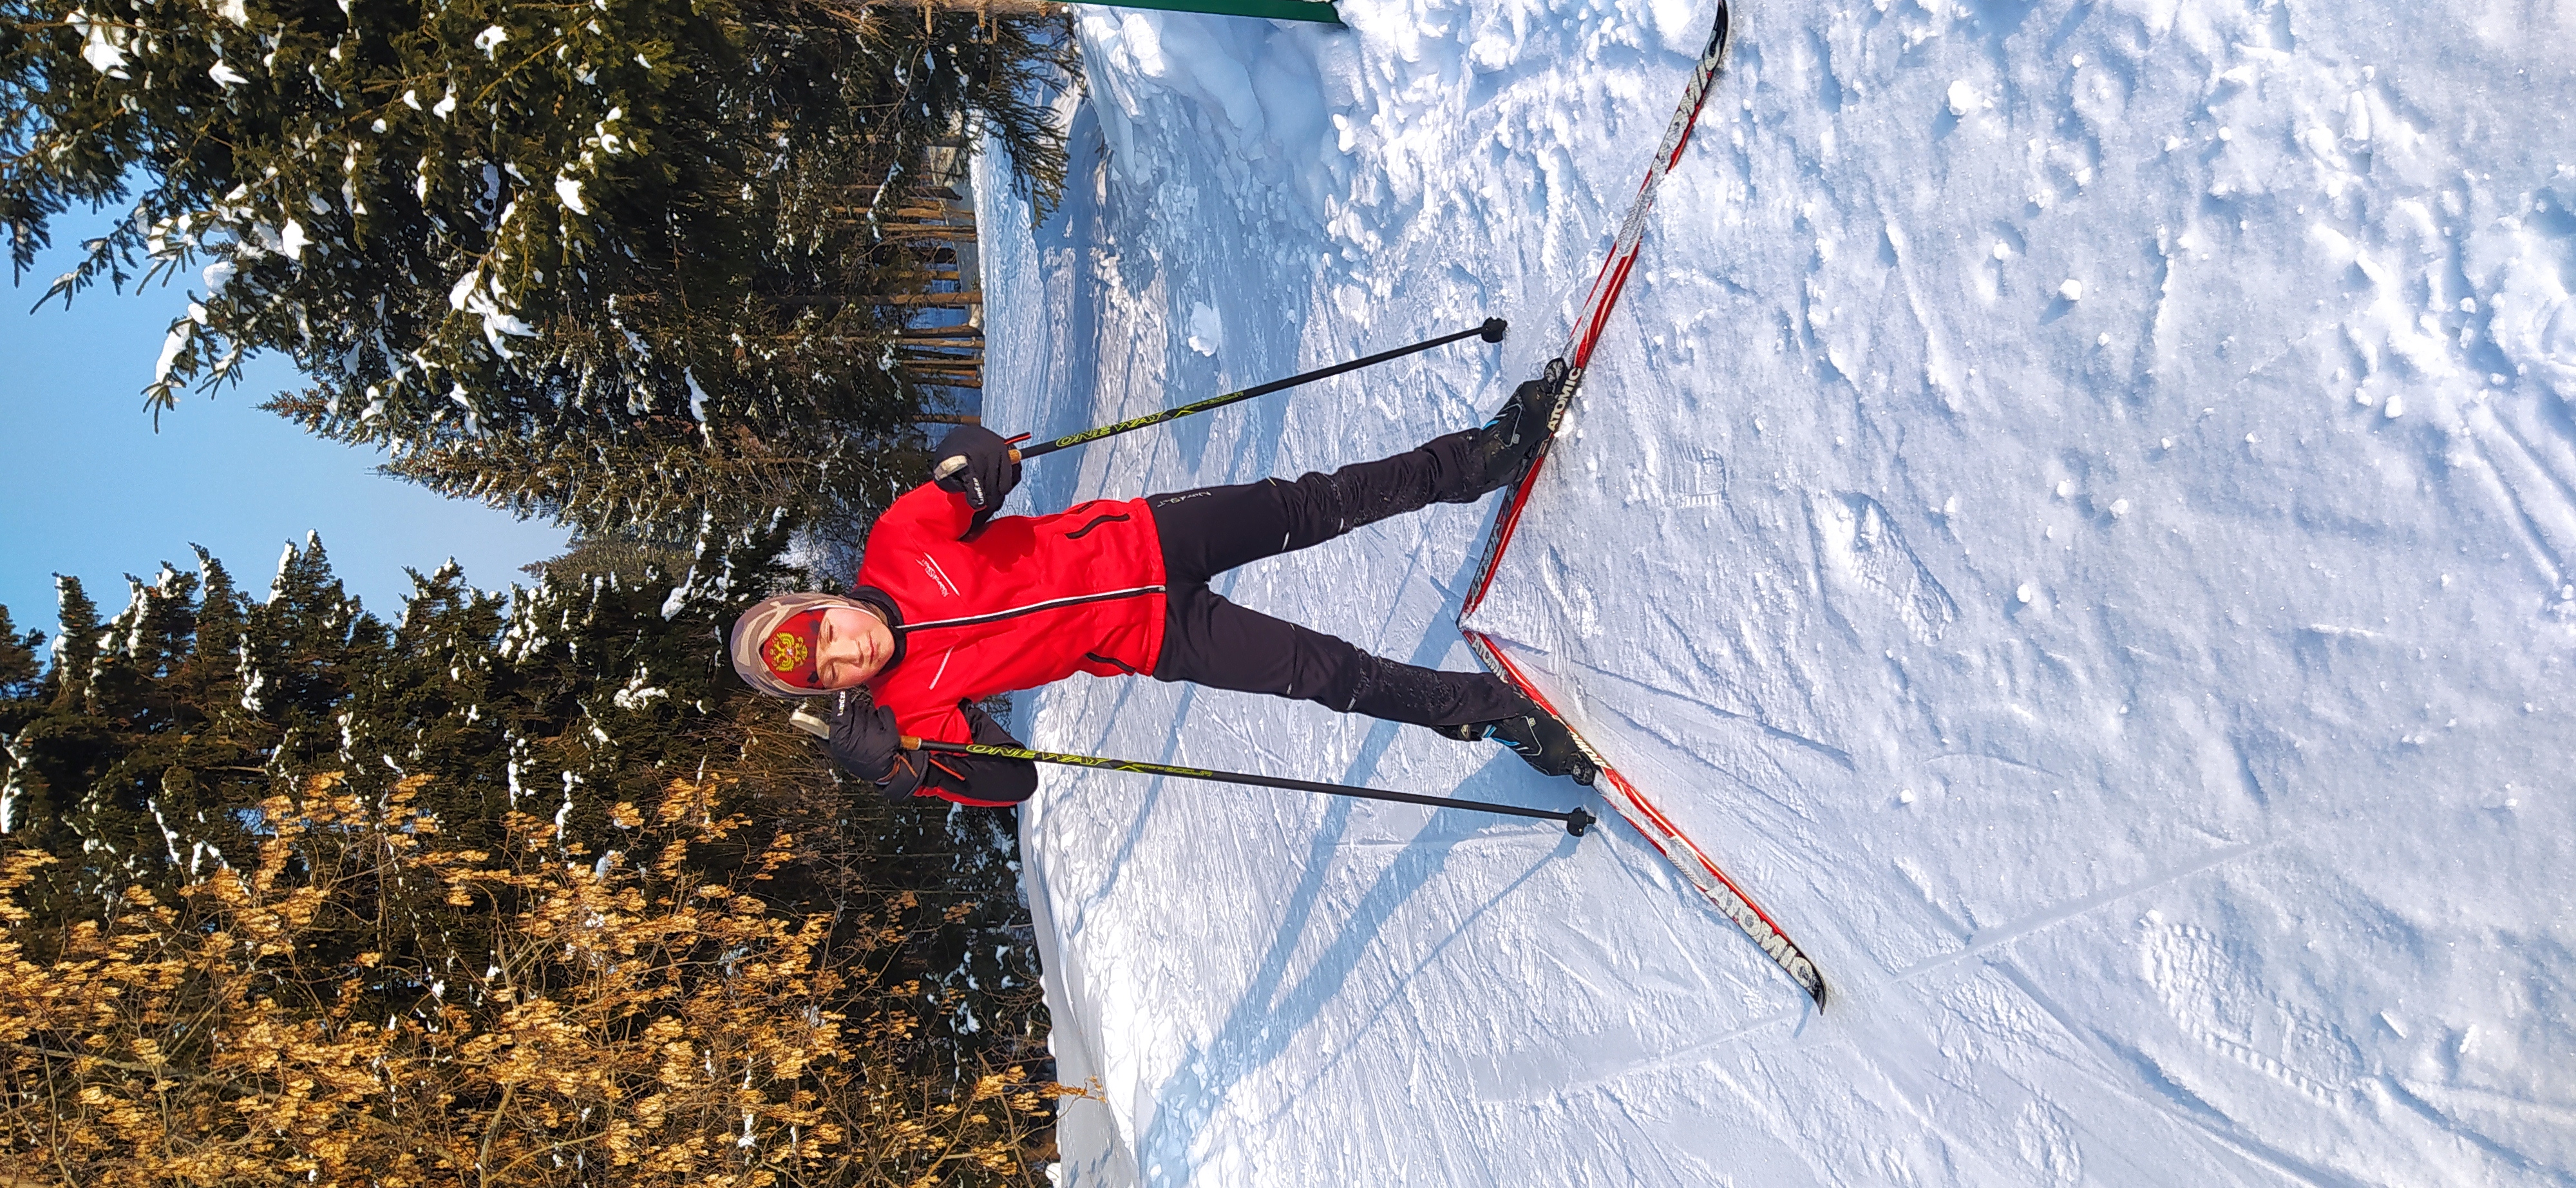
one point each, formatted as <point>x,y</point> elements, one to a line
<point>1703,873</point>
<point>1564,377</point>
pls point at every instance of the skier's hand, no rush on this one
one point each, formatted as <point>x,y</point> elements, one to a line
<point>866,743</point>
<point>981,779</point>
<point>976,462</point>
<point>981,727</point>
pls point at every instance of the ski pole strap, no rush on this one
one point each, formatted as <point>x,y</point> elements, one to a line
<point>1576,820</point>
<point>1492,330</point>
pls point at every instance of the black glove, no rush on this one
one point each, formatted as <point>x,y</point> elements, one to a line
<point>987,473</point>
<point>866,743</point>
<point>981,727</point>
<point>983,779</point>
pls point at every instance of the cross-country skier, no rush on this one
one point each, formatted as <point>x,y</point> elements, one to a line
<point>953,604</point>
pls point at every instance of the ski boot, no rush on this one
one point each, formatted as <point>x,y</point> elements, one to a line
<point>1538,738</point>
<point>1497,455</point>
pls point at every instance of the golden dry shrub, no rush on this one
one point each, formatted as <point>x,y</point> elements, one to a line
<point>366,1006</point>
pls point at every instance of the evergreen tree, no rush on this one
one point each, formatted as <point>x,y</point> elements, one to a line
<point>57,744</point>
<point>664,492</point>
<point>148,754</point>
<point>18,667</point>
<point>638,225</point>
<point>21,699</point>
<point>68,681</point>
<point>624,555</point>
<point>136,728</point>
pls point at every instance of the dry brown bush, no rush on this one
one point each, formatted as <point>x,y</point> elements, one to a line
<point>367,1006</point>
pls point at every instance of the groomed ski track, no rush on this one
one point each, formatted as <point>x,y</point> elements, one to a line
<point>2146,700</point>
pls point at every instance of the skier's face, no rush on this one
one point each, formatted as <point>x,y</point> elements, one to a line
<point>850,646</point>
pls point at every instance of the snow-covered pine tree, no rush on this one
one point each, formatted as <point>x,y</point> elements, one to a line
<point>145,750</point>
<point>54,741</point>
<point>662,491</point>
<point>21,699</point>
<point>76,617</point>
<point>641,222</point>
<point>624,555</point>
<point>170,720</point>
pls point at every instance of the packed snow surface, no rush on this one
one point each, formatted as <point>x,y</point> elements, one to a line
<point>2077,513</point>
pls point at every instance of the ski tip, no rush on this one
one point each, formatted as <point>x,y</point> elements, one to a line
<point>1494,329</point>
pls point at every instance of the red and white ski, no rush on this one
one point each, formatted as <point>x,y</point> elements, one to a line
<point>1565,375</point>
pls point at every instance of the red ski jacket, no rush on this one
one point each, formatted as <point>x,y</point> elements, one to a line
<point>1023,601</point>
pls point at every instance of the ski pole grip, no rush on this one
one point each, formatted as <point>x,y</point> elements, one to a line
<point>908,742</point>
<point>957,462</point>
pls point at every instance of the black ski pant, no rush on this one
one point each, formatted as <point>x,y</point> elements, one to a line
<point>1210,641</point>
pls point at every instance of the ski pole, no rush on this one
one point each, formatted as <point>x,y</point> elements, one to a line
<point>1576,820</point>
<point>1491,331</point>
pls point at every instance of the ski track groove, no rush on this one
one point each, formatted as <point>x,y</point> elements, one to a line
<point>1984,939</point>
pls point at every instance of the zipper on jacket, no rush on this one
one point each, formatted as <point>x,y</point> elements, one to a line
<point>1032,608</point>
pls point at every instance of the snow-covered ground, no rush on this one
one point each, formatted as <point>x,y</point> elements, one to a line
<point>2077,512</point>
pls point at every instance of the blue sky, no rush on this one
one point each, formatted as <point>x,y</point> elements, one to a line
<point>87,488</point>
